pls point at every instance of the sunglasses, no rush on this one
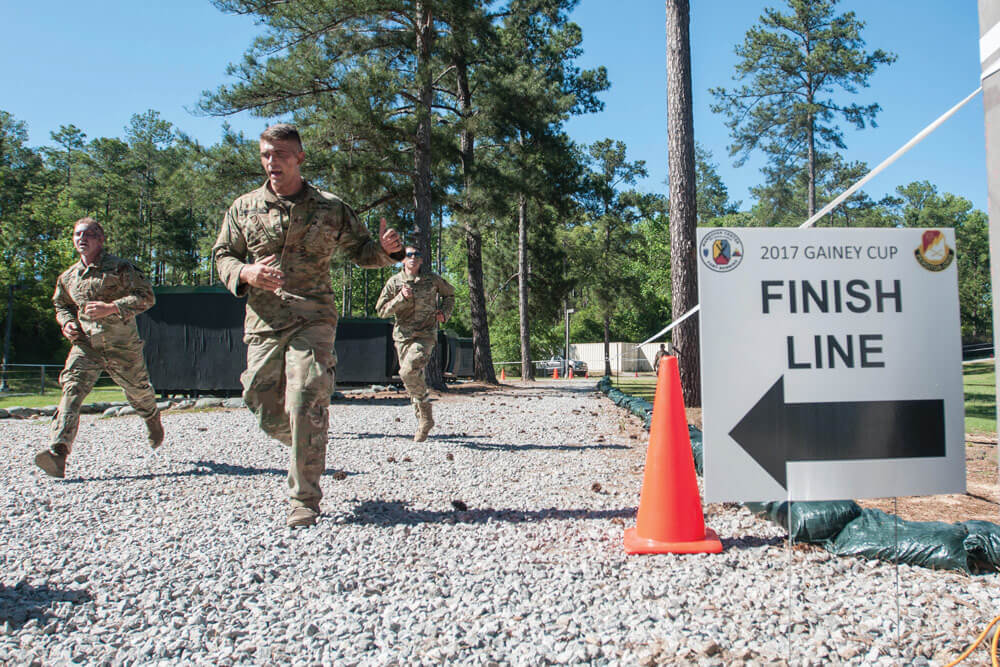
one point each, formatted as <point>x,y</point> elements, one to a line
<point>413,254</point>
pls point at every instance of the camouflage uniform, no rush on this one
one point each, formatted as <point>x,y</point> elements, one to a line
<point>660,355</point>
<point>290,333</point>
<point>416,327</point>
<point>111,343</point>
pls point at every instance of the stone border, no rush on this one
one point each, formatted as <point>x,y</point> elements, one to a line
<point>121,408</point>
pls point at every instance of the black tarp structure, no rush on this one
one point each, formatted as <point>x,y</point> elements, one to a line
<point>194,343</point>
<point>457,355</point>
<point>365,352</point>
<point>194,340</point>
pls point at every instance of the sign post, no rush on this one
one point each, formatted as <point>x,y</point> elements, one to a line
<point>831,363</point>
<point>989,56</point>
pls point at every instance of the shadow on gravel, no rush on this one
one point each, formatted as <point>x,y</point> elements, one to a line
<point>24,602</point>
<point>204,469</point>
<point>374,400</point>
<point>394,512</point>
<point>541,391</point>
<point>751,542</point>
<point>493,446</point>
<point>360,435</point>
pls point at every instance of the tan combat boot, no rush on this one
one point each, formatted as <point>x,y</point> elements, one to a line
<point>155,428</point>
<point>302,517</point>
<point>53,460</point>
<point>426,422</point>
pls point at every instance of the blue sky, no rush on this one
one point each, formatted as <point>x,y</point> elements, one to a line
<point>95,64</point>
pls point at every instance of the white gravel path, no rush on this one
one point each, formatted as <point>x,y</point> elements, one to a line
<point>182,557</point>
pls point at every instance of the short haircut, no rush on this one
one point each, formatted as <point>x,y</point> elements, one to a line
<point>282,132</point>
<point>90,222</point>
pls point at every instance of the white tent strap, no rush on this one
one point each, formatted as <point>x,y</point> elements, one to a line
<point>889,160</point>
<point>851,190</point>
<point>672,324</point>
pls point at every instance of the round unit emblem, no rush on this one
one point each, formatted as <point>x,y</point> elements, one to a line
<point>721,250</point>
<point>933,252</point>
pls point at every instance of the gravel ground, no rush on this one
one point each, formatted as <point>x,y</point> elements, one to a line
<point>182,556</point>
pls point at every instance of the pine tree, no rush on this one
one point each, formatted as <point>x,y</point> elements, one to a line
<point>683,198</point>
<point>795,63</point>
<point>614,214</point>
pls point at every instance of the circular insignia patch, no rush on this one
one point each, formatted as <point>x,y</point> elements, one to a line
<point>933,252</point>
<point>721,250</point>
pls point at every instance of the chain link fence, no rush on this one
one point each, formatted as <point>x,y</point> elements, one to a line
<point>30,379</point>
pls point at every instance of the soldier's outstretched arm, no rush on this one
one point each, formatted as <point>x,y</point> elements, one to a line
<point>447,294</point>
<point>389,300</point>
<point>230,252</point>
<point>359,245</point>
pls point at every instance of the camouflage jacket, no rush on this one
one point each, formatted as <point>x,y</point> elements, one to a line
<point>415,317</point>
<point>110,279</point>
<point>304,238</point>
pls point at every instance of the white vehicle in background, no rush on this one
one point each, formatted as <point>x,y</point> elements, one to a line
<point>557,363</point>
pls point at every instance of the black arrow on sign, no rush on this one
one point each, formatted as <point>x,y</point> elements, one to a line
<point>774,432</point>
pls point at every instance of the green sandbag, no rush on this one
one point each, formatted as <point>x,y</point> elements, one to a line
<point>640,407</point>
<point>983,545</point>
<point>812,521</point>
<point>875,534</point>
<point>697,450</point>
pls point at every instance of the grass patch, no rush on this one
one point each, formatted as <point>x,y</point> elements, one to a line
<point>640,387</point>
<point>979,382</point>
<point>51,397</point>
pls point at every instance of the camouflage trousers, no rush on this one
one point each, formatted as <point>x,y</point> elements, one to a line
<point>287,385</point>
<point>414,353</point>
<point>123,362</point>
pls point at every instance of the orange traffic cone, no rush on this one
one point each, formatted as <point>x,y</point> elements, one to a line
<point>503,376</point>
<point>670,518</point>
<point>569,376</point>
<point>555,373</point>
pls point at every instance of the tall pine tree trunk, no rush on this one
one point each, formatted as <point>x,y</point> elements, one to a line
<point>811,158</point>
<point>482,355</point>
<point>422,160</point>
<point>683,203</point>
<point>527,369</point>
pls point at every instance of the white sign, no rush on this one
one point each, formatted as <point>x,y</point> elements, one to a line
<point>831,363</point>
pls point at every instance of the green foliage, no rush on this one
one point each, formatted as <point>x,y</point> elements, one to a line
<point>349,74</point>
<point>782,200</point>
<point>923,207</point>
<point>793,64</point>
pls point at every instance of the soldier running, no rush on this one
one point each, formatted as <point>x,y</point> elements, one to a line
<point>275,248</point>
<point>412,297</point>
<point>96,301</point>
